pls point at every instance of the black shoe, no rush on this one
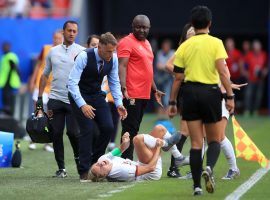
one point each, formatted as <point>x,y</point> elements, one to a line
<point>61,173</point>
<point>173,172</point>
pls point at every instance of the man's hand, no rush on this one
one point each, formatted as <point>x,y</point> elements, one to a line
<point>158,96</point>
<point>172,111</point>
<point>125,142</point>
<point>88,111</point>
<point>122,112</point>
<point>238,86</point>
<point>124,92</point>
<point>159,143</point>
<point>230,105</point>
<point>39,104</point>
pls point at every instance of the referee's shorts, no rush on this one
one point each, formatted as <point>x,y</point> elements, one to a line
<point>201,102</point>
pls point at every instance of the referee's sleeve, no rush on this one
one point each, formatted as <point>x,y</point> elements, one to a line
<point>178,63</point>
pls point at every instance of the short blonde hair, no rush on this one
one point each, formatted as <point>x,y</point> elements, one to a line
<point>94,177</point>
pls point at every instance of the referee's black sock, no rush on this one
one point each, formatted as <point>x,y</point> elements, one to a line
<point>196,166</point>
<point>212,154</point>
<point>181,143</point>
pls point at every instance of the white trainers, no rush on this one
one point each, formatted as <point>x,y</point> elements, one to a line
<point>231,174</point>
<point>48,148</point>
<point>207,174</point>
<point>197,191</point>
<point>32,146</point>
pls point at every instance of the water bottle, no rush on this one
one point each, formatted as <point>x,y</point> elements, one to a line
<point>17,156</point>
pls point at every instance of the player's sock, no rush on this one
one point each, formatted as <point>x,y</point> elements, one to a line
<point>167,135</point>
<point>212,154</point>
<point>175,152</point>
<point>196,166</point>
<point>228,151</point>
<point>150,141</point>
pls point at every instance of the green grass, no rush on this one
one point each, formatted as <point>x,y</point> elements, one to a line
<point>34,180</point>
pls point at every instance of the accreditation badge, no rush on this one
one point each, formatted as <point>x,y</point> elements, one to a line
<point>132,102</point>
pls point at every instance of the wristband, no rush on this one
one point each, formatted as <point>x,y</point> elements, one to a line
<point>172,103</point>
<point>230,97</point>
<point>116,152</point>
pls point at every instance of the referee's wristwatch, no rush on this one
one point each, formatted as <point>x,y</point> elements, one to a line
<point>230,97</point>
<point>172,103</point>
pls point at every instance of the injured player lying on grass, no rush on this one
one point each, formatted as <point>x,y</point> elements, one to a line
<point>149,165</point>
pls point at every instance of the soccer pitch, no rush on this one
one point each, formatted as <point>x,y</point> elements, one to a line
<point>34,180</point>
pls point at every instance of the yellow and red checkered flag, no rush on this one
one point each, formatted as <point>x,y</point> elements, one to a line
<point>245,147</point>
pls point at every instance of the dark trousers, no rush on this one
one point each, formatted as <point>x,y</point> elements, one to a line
<point>89,152</point>
<point>115,118</point>
<point>8,99</point>
<point>62,115</point>
<point>135,109</point>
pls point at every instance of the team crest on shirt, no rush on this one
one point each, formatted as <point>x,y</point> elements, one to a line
<point>132,102</point>
<point>140,47</point>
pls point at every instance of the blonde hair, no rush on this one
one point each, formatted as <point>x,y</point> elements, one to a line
<point>94,177</point>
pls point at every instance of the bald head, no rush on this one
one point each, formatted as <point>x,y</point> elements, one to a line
<point>141,26</point>
<point>140,18</point>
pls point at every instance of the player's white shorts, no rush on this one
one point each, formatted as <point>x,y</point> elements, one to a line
<point>225,112</point>
<point>45,96</point>
<point>154,175</point>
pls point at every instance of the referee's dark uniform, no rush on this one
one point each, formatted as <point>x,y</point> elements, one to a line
<point>200,59</point>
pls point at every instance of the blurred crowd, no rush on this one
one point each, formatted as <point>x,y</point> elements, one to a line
<point>247,64</point>
<point>35,9</point>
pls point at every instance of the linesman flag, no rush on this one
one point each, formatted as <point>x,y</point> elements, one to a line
<point>245,147</point>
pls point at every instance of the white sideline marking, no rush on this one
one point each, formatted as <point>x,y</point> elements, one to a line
<point>242,189</point>
<point>119,189</point>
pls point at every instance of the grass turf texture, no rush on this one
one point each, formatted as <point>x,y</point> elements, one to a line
<point>34,180</point>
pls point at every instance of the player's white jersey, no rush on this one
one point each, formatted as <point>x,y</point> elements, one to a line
<point>122,169</point>
<point>125,169</point>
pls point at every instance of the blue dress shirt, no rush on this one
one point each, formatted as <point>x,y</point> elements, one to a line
<point>75,75</point>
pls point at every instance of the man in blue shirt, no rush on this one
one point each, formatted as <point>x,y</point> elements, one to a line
<point>88,101</point>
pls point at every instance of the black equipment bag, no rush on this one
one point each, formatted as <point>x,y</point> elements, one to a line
<point>38,128</point>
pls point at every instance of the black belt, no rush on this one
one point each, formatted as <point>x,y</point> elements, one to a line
<point>198,83</point>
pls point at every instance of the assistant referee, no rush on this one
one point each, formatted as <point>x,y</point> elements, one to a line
<point>200,62</point>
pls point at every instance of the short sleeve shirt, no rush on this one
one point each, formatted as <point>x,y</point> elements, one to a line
<point>198,55</point>
<point>139,75</point>
<point>122,169</point>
